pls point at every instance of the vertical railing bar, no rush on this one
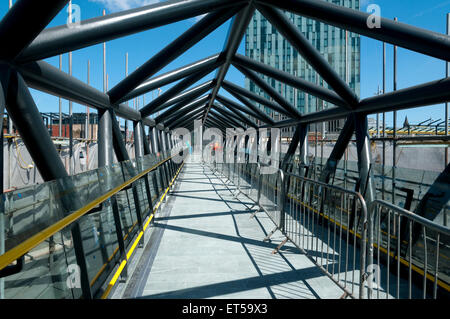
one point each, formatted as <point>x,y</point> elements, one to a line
<point>379,211</point>
<point>388,252</point>
<point>425,266</point>
<point>297,221</point>
<point>410,260</point>
<point>321,205</point>
<point>348,235</point>
<point>354,246</point>
<point>437,266</point>
<point>333,207</point>
<point>312,225</point>
<point>340,236</point>
<point>398,256</point>
<point>329,229</point>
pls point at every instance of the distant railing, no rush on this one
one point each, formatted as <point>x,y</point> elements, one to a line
<point>324,221</point>
<point>406,240</point>
<point>335,229</point>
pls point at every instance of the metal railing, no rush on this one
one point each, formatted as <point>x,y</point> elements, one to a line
<point>411,245</point>
<point>347,240</point>
<point>325,222</point>
<point>111,223</point>
<point>328,223</point>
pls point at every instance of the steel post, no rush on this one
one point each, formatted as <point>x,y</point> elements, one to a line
<point>41,148</point>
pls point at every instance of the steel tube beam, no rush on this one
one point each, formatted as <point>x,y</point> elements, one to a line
<point>364,157</point>
<point>255,97</point>
<point>209,124</point>
<point>230,121</point>
<point>286,107</point>
<point>171,76</point>
<point>215,126</point>
<point>118,143</point>
<point>235,116</point>
<point>177,47</point>
<point>296,138</point>
<point>186,96</point>
<point>235,34</point>
<point>28,121</point>
<point>292,34</point>
<point>235,106</point>
<point>404,35</point>
<point>185,117</point>
<point>338,149</point>
<point>216,119</point>
<point>181,108</point>
<point>23,23</point>
<point>216,123</point>
<point>147,149</point>
<point>288,79</point>
<point>138,139</point>
<point>190,112</point>
<point>116,25</point>
<point>303,147</point>
<point>430,93</point>
<point>44,77</point>
<point>157,104</point>
<point>187,122</point>
<point>261,115</point>
<point>236,112</point>
<point>105,140</point>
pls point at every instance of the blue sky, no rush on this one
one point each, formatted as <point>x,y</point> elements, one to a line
<point>413,68</point>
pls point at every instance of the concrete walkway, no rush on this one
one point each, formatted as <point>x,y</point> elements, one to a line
<point>210,247</point>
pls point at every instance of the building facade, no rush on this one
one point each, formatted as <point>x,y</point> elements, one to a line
<point>263,43</point>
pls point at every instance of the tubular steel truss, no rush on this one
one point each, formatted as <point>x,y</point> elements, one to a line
<point>21,67</point>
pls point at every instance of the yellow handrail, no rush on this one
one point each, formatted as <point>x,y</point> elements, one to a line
<point>130,252</point>
<point>21,249</point>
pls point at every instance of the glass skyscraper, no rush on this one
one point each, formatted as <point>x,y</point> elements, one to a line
<point>263,43</point>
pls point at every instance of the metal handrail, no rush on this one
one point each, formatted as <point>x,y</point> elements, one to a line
<point>280,222</point>
<point>21,249</point>
<point>417,218</point>
<point>396,254</point>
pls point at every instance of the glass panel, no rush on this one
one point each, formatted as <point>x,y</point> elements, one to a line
<point>45,271</point>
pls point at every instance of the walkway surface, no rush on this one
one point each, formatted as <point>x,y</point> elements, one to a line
<point>209,246</point>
